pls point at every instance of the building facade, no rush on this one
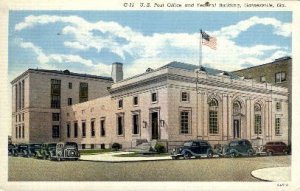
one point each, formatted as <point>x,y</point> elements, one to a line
<point>174,103</point>
<point>179,102</point>
<point>278,73</point>
<point>37,98</point>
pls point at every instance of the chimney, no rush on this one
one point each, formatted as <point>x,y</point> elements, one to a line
<point>117,72</point>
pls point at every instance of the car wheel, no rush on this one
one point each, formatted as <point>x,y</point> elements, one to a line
<point>269,153</point>
<point>209,154</point>
<point>233,154</point>
<point>250,152</point>
<point>174,158</point>
<point>187,155</point>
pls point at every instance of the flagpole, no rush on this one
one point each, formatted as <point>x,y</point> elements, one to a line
<point>197,99</point>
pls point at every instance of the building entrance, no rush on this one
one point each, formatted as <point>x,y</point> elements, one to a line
<point>154,125</point>
<point>236,129</point>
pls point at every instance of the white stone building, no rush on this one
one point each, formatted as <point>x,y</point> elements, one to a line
<point>171,104</point>
<point>163,104</point>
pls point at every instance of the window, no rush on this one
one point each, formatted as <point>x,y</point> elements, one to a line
<point>55,93</point>
<point>257,119</point>
<point>16,132</point>
<point>102,127</point>
<point>19,117</point>
<point>135,123</point>
<point>213,117</point>
<point>154,97</point>
<point>55,116</point>
<point>69,101</point>
<point>83,128</point>
<point>184,122</point>
<point>93,128</point>
<point>75,129</point>
<point>135,100</point>
<point>120,124</point>
<point>20,131</point>
<point>23,131</point>
<point>278,106</point>
<point>280,77</point>
<point>19,100</point>
<point>16,118</point>
<point>70,85</point>
<point>23,91</point>
<point>263,79</point>
<point>120,103</point>
<point>83,146</point>
<point>55,131</point>
<point>277,126</point>
<point>83,92</point>
<point>185,96</point>
<point>236,107</point>
<point>68,130</point>
<point>102,146</point>
<point>92,146</point>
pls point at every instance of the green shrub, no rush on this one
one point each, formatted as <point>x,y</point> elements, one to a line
<point>160,148</point>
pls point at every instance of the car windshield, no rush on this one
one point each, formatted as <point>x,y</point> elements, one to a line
<point>233,144</point>
<point>23,146</point>
<point>188,144</point>
<point>52,145</point>
<point>71,144</point>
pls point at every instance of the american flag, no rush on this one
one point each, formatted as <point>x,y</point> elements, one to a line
<point>209,40</point>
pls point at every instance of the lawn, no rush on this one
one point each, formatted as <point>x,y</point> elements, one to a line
<point>143,155</point>
<point>94,151</point>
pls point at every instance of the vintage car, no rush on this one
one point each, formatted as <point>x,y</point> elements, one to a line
<point>276,147</point>
<point>193,148</point>
<point>241,147</point>
<point>12,149</point>
<point>65,151</point>
<point>44,151</point>
<point>21,150</point>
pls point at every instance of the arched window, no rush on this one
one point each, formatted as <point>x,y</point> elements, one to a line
<point>257,119</point>
<point>236,107</point>
<point>213,116</point>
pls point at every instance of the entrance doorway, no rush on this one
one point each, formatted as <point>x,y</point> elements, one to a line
<point>236,129</point>
<point>154,125</point>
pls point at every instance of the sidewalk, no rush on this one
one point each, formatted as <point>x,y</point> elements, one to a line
<point>275,174</point>
<point>111,157</point>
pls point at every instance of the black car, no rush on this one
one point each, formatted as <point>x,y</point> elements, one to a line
<point>12,149</point>
<point>194,148</point>
<point>27,150</point>
<point>65,151</point>
<point>45,150</point>
<point>241,147</point>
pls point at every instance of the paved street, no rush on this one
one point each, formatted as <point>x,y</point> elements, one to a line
<point>216,169</point>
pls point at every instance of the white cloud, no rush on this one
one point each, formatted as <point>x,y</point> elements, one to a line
<point>159,48</point>
<point>47,61</point>
<point>232,31</point>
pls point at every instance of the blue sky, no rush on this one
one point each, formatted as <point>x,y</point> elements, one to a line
<point>89,41</point>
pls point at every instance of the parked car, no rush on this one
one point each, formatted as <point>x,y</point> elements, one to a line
<point>193,148</point>
<point>276,147</point>
<point>241,147</point>
<point>20,150</point>
<point>44,151</point>
<point>12,149</point>
<point>65,150</point>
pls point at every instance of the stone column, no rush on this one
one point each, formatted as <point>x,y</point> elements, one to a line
<point>225,118</point>
<point>248,117</point>
<point>205,116</point>
<point>229,122</point>
<point>252,132</point>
